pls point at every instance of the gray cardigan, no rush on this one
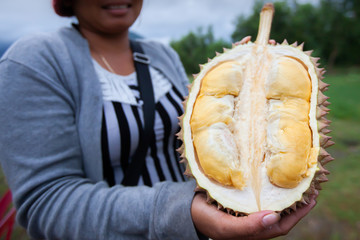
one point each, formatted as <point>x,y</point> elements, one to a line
<point>50,122</point>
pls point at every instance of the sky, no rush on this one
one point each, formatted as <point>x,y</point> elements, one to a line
<point>163,20</point>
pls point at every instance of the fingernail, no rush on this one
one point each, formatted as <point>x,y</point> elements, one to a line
<point>270,219</point>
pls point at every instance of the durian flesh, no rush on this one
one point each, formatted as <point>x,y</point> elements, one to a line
<point>250,128</point>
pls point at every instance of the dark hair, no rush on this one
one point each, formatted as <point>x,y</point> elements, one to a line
<point>63,8</point>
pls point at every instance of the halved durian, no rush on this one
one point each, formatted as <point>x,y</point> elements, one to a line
<point>254,129</point>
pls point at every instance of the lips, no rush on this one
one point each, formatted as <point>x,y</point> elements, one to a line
<point>116,6</point>
<point>117,9</point>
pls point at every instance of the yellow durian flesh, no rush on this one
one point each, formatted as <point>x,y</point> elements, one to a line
<point>217,154</point>
<point>210,121</point>
<point>288,125</point>
<point>214,85</point>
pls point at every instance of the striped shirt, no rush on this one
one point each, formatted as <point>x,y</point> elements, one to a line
<point>123,121</point>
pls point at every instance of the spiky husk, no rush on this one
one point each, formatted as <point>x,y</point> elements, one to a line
<point>325,141</point>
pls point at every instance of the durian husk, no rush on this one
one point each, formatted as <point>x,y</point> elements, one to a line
<point>323,158</point>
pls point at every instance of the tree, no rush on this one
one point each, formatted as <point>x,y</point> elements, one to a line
<point>330,28</point>
<point>196,47</point>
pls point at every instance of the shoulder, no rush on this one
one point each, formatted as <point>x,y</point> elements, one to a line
<point>51,58</point>
<point>31,48</point>
<point>52,55</point>
<point>157,49</point>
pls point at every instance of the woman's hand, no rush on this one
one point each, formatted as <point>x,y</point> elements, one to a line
<point>260,225</point>
<point>248,38</point>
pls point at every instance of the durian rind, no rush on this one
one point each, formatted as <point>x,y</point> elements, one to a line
<point>316,173</point>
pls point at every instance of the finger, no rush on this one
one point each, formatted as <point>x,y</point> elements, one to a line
<point>255,222</point>
<point>289,221</point>
<point>244,40</point>
<point>219,225</point>
<point>272,42</point>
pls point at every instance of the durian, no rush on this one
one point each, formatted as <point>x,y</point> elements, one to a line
<point>254,127</point>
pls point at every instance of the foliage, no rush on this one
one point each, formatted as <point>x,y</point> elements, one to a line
<point>196,47</point>
<point>331,28</point>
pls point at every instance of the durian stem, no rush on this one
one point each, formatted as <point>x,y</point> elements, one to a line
<point>266,16</point>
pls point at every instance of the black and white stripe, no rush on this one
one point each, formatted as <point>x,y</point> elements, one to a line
<point>121,128</point>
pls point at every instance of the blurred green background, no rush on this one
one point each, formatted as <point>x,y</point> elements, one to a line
<point>332,30</point>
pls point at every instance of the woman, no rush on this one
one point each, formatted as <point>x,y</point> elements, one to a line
<point>55,94</point>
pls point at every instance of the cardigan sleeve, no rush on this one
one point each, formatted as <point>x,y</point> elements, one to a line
<point>42,160</point>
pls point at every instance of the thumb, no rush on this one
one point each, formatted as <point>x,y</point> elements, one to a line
<point>256,222</point>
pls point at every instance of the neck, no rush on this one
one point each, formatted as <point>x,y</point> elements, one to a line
<point>107,42</point>
<point>115,48</point>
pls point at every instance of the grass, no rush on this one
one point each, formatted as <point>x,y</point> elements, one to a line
<point>344,92</point>
<point>337,214</point>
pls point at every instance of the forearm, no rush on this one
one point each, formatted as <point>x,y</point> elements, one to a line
<point>78,209</point>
